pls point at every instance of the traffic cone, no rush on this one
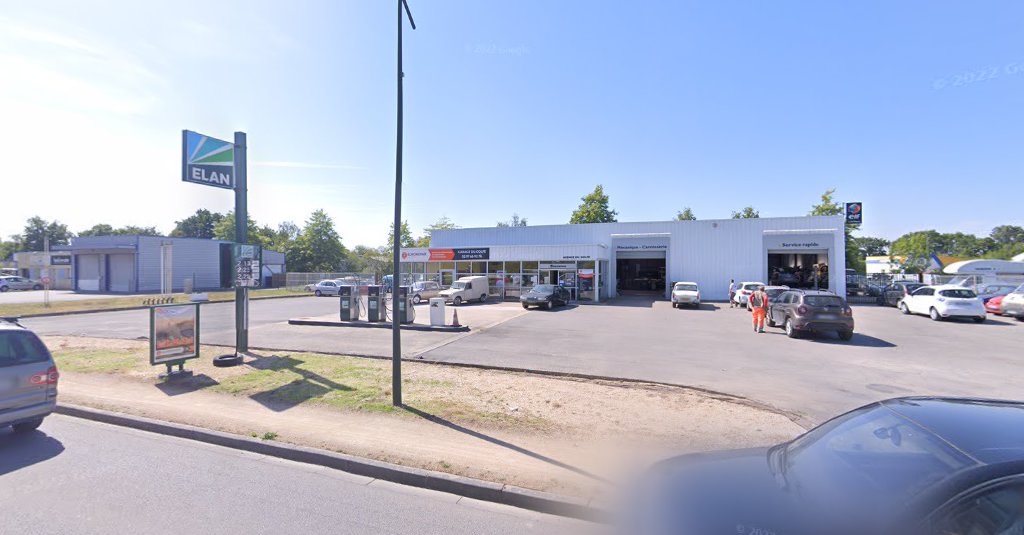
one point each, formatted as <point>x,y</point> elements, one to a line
<point>455,319</point>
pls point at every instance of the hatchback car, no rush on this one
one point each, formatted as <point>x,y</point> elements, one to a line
<point>545,295</point>
<point>744,290</point>
<point>906,466</point>
<point>994,305</point>
<point>892,293</point>
<point>1013,303</point>
<point>422,291</point>
<point>942,302</point>
<point>19,283</point>
<point>805,311</point>
<point>28,378</point>
<point>685,293</point>
<point>326,287</point>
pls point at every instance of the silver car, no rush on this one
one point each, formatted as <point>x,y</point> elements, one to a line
<point>422,291</point>
<point>326,287</point>
<point>19,283</point>
<point>28,378</point>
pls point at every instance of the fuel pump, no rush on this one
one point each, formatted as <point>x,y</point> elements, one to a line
<point>374,304</point>
<point>403,304</point>
<point>347,309</point>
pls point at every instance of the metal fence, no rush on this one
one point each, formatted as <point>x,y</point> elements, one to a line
<point>303,282</point>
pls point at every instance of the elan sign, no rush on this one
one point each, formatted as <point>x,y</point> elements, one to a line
<point>207,161</point>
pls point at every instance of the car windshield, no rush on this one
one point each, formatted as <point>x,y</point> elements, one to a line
<point>872,450</point>
<point>774,292</point>
<point>959,294</point>
<point>824,301</point>
<point>686,287</point>
<point>20,347</point>
<point>459,285</point>
<point>542,289</point>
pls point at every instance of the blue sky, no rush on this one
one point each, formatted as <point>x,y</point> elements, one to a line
<point>914,108</point>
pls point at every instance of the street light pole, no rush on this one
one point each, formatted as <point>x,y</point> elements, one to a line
<point>396,326</point>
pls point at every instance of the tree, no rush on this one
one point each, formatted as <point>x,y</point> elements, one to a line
<point>1007,235</point>
<point>318,247</point>
<point>405,240</point>
<point>746,213</point>
<point>686,215</point>
<point>7,249</point>
<point>225,230</point>
<point>286,233</point>
<point>132,230</point>
<point>516,221</point>
<point>198,225</point>
<point>99,229</point>
<point>371,259</point>
<point>594,209</point>
<point>827,206</point>
<point>36,229</point>
<point>441,224</point>
<point>868,246</point>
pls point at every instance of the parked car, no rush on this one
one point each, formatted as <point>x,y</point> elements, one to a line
<point>1013,303</point>
<point>995,305</point>
<point>28,378</point>
<point>326,287</point>
<point>774,291</point>
<point>988,291</point>
<point>744,290</point>
<point>941,302</point>
<point>892,293</point>
<point>19,283</point>
<point>905,466</point>
<point>545,295</point>
<point>800,311</point>
<point>424,290</point>
<point>685,293</point>
<point>466,289</point>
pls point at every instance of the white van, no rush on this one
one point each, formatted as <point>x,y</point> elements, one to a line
<point>466,289</point>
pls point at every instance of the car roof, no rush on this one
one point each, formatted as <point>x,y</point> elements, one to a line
<point>687,282</point>
<point>10,323</point>
<point>777,288</point>
<point>950,287</point>
<point>989,430</point>
<point>812,292</point>
<point>752,282</point>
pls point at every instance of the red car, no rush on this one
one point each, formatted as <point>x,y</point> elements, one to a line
<point>995,305</point>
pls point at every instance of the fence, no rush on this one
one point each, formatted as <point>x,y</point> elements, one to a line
<point>868,288</point>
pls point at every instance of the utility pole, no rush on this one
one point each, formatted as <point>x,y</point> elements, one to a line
<point>241,236</point>
<point>396,326</point>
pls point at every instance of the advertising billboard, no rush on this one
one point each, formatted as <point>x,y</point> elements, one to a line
<point>854,213</point>
<point>173,333</point>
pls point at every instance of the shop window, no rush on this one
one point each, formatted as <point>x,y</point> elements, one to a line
<point>494,267</point>
<point>530,266</point>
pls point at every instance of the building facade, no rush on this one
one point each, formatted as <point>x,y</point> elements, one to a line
<point>601,260</point>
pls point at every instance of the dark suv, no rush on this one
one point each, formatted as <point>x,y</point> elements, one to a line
<point>799,311</point>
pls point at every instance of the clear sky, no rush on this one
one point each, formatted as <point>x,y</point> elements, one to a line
<point>914,108</point>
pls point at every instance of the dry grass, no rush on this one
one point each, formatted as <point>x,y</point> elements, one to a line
<point>25,309</point>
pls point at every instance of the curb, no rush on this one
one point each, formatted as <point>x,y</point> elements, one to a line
<point>414,477</point>
<point>377,325</point>
<point>144,307</point>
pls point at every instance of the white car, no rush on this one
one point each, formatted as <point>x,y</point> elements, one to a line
<point>941,302</point>
<point>743,291</point>
<point>327,287</point>
<point>685,293</point>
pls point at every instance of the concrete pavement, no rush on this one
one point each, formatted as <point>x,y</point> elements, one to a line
<point>76,476</point>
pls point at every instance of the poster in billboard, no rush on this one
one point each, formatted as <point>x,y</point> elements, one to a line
<point>173,333</point>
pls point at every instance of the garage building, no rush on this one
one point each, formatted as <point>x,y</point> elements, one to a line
<point>146,264</point>
<point>601,260</point>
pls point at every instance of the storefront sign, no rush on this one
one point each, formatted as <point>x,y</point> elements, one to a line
<point>640,247</point>
<point>418,254</point>
<point>173,333</point>
<point>800,245</point>
<point>557,266</point>
<point>464,253</point>
<point>207,161</point>
<point>854,213</point>
<point>247,265</point>
<point>60,260</point>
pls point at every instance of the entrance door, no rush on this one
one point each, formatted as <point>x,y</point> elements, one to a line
<point>447,277</point>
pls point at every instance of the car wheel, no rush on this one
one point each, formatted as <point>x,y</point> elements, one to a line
<point>416,299</point>
<point>904,308</point>
<point>318,293</point>
<point>675,305</point>
<point>457,301</point>
<point>934,315</point>
<point>845,335</point>
<point>551,305</point>
<point>4,288</point>
<point>527,307</point>
<point>25,427</point>
<point>979,319</point>
<point>790,330</point>
<point>37,287</point>
<point>483,298</point>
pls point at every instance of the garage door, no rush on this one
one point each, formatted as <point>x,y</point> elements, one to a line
<point>88,272</point>
<point>122,272</point>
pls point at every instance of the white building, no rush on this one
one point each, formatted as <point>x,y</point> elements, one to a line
<point>601,260</point>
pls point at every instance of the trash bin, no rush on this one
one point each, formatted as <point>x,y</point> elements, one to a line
<point>437,311</point>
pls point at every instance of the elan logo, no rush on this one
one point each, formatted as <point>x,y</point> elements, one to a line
<point>207,160</point>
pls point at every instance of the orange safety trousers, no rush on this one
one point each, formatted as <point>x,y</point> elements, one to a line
<point>759,315</point>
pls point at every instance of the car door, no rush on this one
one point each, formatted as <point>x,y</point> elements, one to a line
<point>23,360</point>
<point>776,310</point>
<point>920,301</point>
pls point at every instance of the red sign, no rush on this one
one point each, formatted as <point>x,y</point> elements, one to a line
<point>442,254</point>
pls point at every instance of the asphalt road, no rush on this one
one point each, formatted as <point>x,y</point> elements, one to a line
<point>76,476</point>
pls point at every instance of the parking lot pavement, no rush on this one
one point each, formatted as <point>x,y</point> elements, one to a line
<point>36,296</point>
<point>715,348</point>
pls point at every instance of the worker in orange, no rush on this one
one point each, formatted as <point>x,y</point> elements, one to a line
<point>758,305</point>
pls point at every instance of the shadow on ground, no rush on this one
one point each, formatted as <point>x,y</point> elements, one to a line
<point>176,387</point>
<point>284,397</point>
<point>18,450</point>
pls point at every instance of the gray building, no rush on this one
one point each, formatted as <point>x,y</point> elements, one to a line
<point>144,264</point>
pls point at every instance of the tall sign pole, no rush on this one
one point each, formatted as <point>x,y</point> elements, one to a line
<point>396,326</point>
<point>241,236</point>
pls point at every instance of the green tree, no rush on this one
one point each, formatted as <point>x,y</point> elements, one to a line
<point>198,225</point>
<point>36,229</point>
<point>746,213</point>
<point>99,229</point>
<point>827,206</point>
<point>7,249</point>
<point>516,221</point>
<point>286,233</point>
<point>132,230</point>
<point>1007,235</point>
<point>594,208</point>
<point>225,230</point>
<point>370,260</point>
<point>868,246</point>
<point>405,240</point>
<point>318,247</point>
<point>441,224</point>
<point>686,215</point>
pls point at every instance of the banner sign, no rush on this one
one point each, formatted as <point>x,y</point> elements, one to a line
<point>207,161</point>
<point>422,254</point>
<point>246,259</point>
<point>173,333</point>
<point>854,213</point>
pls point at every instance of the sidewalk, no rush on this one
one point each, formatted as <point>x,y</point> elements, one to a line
<point>564,436</point>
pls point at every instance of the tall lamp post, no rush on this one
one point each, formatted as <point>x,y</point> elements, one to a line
<point>396,326</point>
